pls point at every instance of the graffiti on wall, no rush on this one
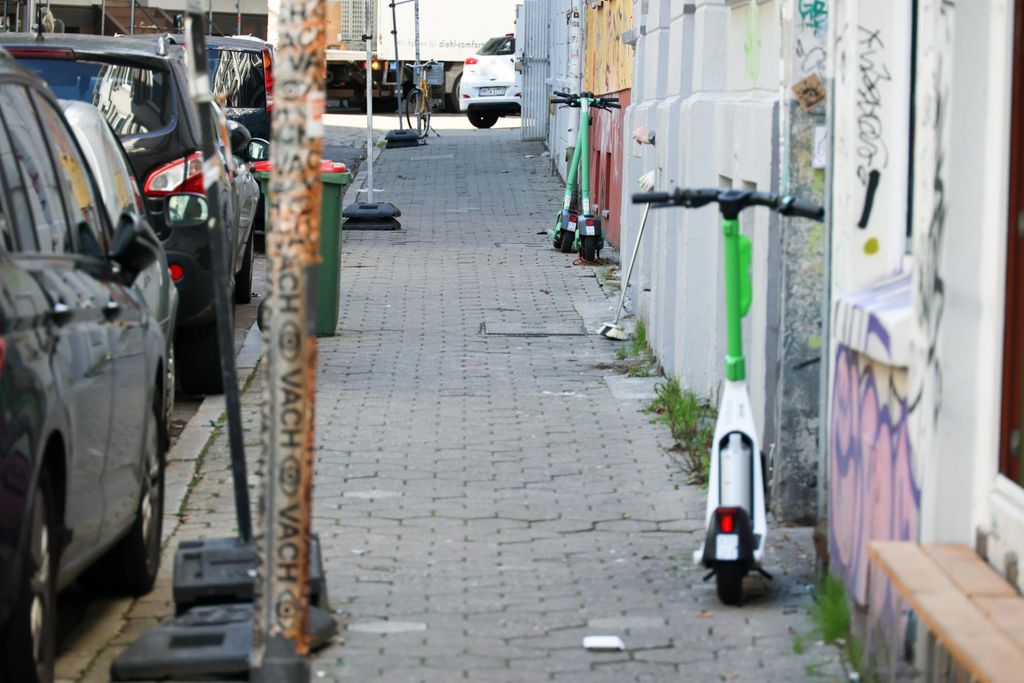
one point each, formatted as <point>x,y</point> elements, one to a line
<point>872,153</point>
<point>873,488</point>
<point>609,61</point>
<point>872,77</point>
<point>813,15</point>
<point>929,235</point>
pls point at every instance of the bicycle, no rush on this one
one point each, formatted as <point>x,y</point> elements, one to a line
<point>573,231</point>
<point>418,103</point>
<point>735,514</point>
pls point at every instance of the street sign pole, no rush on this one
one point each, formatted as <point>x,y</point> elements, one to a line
<point>281,635</point>
<point>200,84</point>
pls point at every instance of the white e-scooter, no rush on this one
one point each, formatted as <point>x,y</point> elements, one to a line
<point>735,517</point>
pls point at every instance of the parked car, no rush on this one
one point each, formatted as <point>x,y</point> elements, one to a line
<point>242,71</point>
<point>490,85</point>
<point>82,367</point>
<point>140,86</point>
<point>113,175</point>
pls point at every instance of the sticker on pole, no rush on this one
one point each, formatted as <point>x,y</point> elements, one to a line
<point>316,105</point>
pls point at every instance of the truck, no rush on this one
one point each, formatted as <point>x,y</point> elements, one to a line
<point>450,32</point>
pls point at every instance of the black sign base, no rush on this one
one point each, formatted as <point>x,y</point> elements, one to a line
<point>222,571</point>
<point>205,642</point>
<point>401,138</point>
<point>376,216</point>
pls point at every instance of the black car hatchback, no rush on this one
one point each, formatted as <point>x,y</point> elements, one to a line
<point>81,382</point>
<point>140,85</point>
<point>241,71</point>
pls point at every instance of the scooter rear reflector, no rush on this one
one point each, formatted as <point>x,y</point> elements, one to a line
<point>727,521</point>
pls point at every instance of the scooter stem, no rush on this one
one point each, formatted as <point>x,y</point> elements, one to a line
<point>735,369</point>
<point>632,261</point>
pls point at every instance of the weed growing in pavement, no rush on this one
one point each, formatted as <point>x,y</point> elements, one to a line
<point>831,615</point>
<point>640,362</point>
<point>692,422</point>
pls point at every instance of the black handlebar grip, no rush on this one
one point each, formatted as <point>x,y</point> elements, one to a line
<point>651,197</point>
<point>790,206</point>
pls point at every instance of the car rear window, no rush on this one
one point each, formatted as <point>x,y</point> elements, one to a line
<point>133,99</point>
<point>505,45</point>
<point>238,76</point>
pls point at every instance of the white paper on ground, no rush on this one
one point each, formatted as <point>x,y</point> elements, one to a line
<point>606,643</point>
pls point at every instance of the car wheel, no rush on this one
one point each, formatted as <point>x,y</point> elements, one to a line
<point>453,98</point>
<point>28,638</point>
<point>130,567</point>
<point>483,120</point>
<point>243,281</point>
<point>197,355</point>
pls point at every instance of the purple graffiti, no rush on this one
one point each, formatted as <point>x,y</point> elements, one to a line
<point>872,490</point>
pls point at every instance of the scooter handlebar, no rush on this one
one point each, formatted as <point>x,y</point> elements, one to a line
<point>791,206</point>
<point>651,197</point>
<point>691,199</point>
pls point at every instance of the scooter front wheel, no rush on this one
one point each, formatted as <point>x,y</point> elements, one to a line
<point>568,237</point>
<point>729,582</point>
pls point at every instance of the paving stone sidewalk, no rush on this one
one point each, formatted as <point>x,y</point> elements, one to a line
<point>484,501</point>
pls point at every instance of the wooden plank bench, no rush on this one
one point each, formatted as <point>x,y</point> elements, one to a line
<point>967,607</point>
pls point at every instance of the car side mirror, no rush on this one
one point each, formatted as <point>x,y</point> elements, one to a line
<point>239,136</point>
<point>258,150</point>
<point>186,210</point>
<point>135,246</point>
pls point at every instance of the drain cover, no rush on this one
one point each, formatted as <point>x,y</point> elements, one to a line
<point>527,330</point>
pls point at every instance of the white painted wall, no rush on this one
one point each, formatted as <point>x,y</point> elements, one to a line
<point>961,388</point>
<point>707,81</point>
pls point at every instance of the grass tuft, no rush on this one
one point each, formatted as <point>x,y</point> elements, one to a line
<point>691,420</point>
<point>639,361</point>
<point>831,615</point>
<point>830,611</point>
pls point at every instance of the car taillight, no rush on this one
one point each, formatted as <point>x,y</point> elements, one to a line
<point>181,175</point>
<point>176,271</point>
<point>472,60</point>
<point>727,521</point>
<point>43,52</point>
<point>268,78</point>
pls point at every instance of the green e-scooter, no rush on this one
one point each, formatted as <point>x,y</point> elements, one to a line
<point>735,514</point>
<point>574,231</point>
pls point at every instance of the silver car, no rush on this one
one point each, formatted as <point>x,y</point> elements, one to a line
<point>113,174</point>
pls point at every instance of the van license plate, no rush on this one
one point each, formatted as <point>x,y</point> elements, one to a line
<point>484,92</point>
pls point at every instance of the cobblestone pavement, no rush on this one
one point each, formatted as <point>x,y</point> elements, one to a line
<point>483,497</point>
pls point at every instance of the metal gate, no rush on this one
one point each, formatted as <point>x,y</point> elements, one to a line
<point>533,30</point>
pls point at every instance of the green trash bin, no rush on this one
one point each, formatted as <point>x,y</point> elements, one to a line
<point>327,280</point>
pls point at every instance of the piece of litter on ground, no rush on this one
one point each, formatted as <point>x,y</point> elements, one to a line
<point>528,156</point>
<point>359,551</point>
<point>705,614</point>
<point>603,644</point>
